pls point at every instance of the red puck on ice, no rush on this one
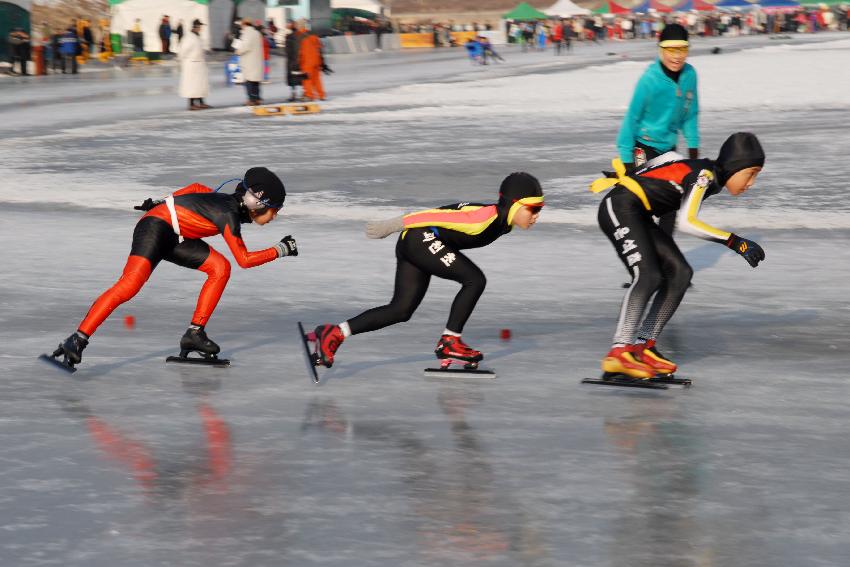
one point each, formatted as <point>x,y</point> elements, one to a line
<point>505,334</point>
<point>129,321</point>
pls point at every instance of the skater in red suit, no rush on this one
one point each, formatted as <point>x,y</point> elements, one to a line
<point>430,245</point>
<point>172,230</point>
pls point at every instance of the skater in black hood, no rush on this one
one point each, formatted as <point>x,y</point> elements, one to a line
<point>172,229</point>
<point>430,245</point>
<point>653,259</point>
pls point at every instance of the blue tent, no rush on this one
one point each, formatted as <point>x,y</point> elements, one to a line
<point>734,4</point>
<point>779,3</point>
<point>642,8</point>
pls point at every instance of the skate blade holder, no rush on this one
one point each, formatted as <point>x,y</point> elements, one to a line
<point>672,380</point>
<point>54,361</point>
<point>624,381</point>
<point>311,357</point>
<point>314,354</point>
<point>465,369</point>
<point>211,360</point>
<point>284,109</point>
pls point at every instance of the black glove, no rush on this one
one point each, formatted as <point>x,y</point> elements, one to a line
<point>147,205</point>
<point>326,70</point>
<point>751,251</point>
<point>630,168</point>
<point>693,153</point>
<point>286,247</point>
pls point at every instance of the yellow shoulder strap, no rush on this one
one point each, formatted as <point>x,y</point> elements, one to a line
<point>604,183</point>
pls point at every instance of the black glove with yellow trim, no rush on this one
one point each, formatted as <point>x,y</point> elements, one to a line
<point>751,251</point>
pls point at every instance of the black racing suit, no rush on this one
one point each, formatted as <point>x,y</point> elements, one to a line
<point>431,246</point>
<point>651,256</point>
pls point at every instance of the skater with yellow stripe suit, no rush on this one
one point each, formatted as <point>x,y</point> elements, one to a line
<point>430,244</point>
<point>653,259</point>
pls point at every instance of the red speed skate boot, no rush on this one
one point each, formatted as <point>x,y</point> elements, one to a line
<point>328,339</point>
<point>450,347</point>
<point>621,360</point>
<point>649,355</point>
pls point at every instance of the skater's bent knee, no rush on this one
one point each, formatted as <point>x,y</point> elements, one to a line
<point>479,282</point>
<point>216,266</point>
<point>647,282</point>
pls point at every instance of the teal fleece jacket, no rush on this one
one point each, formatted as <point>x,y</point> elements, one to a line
<point>660,108</point>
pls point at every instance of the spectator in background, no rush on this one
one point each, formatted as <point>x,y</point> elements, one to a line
<point>85,33</point>
<point>312,63</point>
<point>267,43</point>
<point>165,35</point>
<point>379,30</point>
<point>137,37</point>
<point>487,49</point>
<point>69,48</point>
<point>541,32</point>
<point>294,75</point>
<point>249,48</point>
<point>178,31</point>
<point>557,38</point>
<point>475,51</point>
<point>194,82</point>
<point>55,55</point>
<point>19,45</point>
<point>664,103</point>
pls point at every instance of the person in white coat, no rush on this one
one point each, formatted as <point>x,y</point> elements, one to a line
<point>250,51</point>
<point>194,81</point>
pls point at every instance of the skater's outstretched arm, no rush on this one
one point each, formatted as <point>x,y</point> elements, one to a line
<point>698,186</point>
<point>251,259</point>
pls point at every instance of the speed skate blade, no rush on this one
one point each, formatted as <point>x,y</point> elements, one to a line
<point>623,381</point>
<point>459,373</point>
<point>309,357</point>
<point>671,379</point>
<point>58,363</point>
<point>214,362</point>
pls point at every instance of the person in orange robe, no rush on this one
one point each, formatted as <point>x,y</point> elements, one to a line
<point>312,63</point>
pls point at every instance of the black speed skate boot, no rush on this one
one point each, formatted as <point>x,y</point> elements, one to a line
<point>450,348</point>
<point>71,351</point>
<point>195,339</point>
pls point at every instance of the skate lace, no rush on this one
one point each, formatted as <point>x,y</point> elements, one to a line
<point>457,345</point>
<point>331,342</point>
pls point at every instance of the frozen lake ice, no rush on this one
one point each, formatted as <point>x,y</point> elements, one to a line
<point>131,462</point>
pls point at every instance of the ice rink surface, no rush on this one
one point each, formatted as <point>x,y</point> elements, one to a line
<point>130,462</point>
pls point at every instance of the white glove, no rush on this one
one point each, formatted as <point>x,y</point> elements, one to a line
<point>384,228</point>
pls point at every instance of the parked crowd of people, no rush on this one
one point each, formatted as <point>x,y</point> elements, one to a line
<point>252,42</point>
<point>539,34</point>
<point>63,49</point>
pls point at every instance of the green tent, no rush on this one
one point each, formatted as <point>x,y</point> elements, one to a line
<point>603,8</point>
<point>525,12</point>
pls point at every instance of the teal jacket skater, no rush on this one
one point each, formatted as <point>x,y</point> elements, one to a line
<point>660,108</point>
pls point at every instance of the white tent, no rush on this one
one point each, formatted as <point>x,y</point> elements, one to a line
<point>217,16</point>
<point>565,9</point>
